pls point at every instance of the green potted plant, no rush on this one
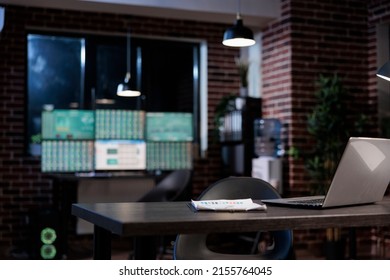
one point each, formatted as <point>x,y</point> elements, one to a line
<point>243,68</point>
<point>35,144</point>
<point>328,126</point>
<point>225,105</point>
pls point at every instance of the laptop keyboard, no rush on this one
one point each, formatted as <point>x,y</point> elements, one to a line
<point>308,202</point>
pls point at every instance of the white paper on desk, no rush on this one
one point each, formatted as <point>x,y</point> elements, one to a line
<point>228,205</point>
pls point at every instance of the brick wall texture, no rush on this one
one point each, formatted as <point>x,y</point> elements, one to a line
<point>309,38</point>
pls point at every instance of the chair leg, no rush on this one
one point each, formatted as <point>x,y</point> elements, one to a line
<point>256,242</point>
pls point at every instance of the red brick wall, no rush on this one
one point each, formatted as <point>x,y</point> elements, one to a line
<point>311,37</point>
<point>316,37</point>
<point>379,13</point>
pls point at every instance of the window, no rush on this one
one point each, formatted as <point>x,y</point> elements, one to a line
<point>83,72</point>
<point>55,75</point>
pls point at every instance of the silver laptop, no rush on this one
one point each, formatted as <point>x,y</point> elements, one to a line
<point>362,177</point>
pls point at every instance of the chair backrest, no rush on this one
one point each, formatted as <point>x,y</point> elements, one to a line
<point>194,246</point>
<point>238,188</point>
<point>171,188</point>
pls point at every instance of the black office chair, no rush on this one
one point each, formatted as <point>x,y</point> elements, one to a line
<point>197,246</point>
<point>174,187</point>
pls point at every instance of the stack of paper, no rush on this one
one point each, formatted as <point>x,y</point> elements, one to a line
<point>228,205</point>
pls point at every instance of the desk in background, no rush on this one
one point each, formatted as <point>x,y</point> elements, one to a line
<point>93,188</point>
<point>141,219</point>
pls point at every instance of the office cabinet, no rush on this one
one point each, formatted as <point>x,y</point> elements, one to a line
<point>236,136</point>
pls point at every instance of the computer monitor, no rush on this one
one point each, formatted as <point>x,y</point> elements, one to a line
<point>169,155</point>
<point>61,124</point>
<point>119,124</point>
<point>169,126</point>
<point>120,155</point>
<point>67,156</point>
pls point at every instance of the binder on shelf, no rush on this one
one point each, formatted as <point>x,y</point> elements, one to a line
<point>232,127</point>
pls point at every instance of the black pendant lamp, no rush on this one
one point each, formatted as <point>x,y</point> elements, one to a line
<point>124,89</point>
<point>384,71</point>
<point>238,35</point>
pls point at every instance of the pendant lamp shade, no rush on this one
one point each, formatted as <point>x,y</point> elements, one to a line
<point>124,89</point>
<point>238,35</point>
<point>384,71</point>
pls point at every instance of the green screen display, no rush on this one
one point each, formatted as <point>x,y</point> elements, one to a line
<point>169,126</point>
<point>68,124</point>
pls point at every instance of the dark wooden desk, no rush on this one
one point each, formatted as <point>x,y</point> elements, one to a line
<point>141,219</point>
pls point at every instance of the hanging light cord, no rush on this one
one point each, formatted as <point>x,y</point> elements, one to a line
<point>238,9</point>
<point>127,78</point>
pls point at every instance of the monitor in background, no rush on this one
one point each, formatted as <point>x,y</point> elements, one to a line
<point>169,155</point>
<point>68,125</point>
<point>119,124</point>
<point>109,140</point>
<point>120,155</point>
<point>67,156</point>
<point>169,126</point>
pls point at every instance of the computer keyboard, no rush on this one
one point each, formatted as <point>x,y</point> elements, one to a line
<point>308,202</point>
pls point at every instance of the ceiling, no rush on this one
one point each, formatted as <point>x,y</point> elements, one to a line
<point>255,13</point>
